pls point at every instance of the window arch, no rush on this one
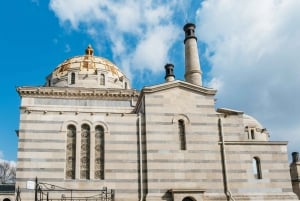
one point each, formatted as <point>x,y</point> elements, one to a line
<point>252,133</point>
<point>181,132</point>
<point>188,199</point>
<point>73,78</point>
<point>99,152</point>
<point>71,152</point>
<point>256,168</point>
<point>85,152</point>
<point>102,79</point>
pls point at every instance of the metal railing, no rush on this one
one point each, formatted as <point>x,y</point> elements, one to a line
<point>50,192</point>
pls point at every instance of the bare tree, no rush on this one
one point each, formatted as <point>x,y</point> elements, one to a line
<point>7,172</point>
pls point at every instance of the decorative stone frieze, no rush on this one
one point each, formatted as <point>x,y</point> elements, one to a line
<point>77,93</point>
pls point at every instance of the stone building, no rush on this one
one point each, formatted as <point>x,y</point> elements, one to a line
<point>86,132</point>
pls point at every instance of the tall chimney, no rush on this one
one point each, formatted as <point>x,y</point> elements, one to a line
<point>193,73</point>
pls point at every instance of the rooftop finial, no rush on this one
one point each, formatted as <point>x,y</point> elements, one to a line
<point>89,50</point>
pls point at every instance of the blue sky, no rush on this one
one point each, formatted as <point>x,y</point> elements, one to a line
<point>249,51</point>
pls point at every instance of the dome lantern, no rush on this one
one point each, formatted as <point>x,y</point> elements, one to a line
<point>89,50</point>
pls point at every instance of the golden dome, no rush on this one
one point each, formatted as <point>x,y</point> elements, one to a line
<point>87,62</point>
<point>86,66</point>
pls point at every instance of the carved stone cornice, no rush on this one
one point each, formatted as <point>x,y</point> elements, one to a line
<point>65,92</point>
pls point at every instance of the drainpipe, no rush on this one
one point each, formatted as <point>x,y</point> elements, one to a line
<point>226,186</point>
<point>141,157</point>
<point>36,189</point>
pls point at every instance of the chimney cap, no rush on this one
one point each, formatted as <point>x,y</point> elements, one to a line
<point>189,26</point>
<point>168,65</point>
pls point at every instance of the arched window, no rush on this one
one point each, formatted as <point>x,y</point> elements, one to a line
<point>6,199</point>
<point>126,85</point>
<point>181,132</point>
<point>188,199</point>
<point>256,168</point>
<point>252,134</point>
<point>99,152</point>
<point>71,152</point>
<point>85,152</point>
<point>102,79</point>
<point>72,78</point>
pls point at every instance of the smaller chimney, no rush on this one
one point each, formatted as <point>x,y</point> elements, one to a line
<point>169,73</point>
<point>295,173</point>
<point>295,156</point>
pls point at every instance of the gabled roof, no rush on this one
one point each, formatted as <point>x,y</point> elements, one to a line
<point>175,84</point>
<point>180,84</point>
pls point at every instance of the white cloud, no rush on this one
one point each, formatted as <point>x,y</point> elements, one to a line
<point>12,163</point>
<point>132,27</point>
<point>255,55</point>
<point>151,56</point>
<point>76,11</point>
<point>216,83</point>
